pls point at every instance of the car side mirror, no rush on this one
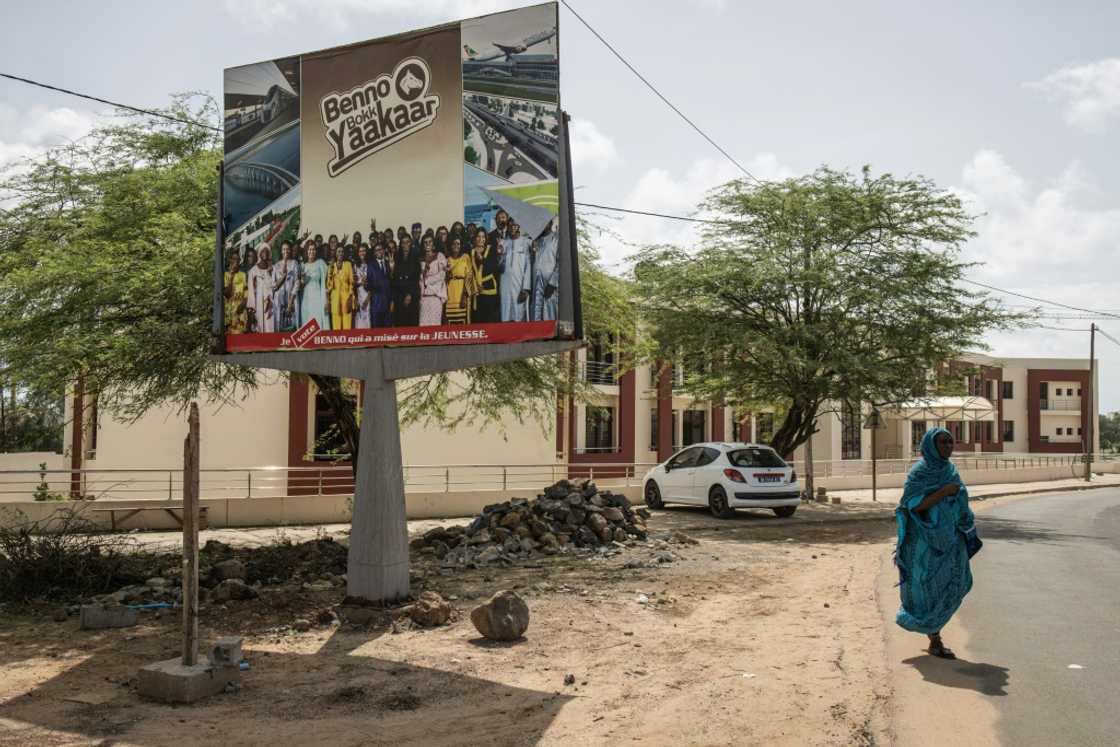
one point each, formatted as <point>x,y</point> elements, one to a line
<point>668,467</point>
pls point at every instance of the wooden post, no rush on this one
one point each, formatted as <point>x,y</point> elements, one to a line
<point>809,482</point>
<point>190,540</point>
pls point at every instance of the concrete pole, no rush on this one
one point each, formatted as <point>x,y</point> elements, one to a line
<point>377,567</point>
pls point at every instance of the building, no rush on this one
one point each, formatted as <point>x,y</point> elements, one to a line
<point>1009,405</point>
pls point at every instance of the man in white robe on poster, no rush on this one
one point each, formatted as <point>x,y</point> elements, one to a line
<point>546,274</point>
<point>260,292</point>
<point>517,279</point>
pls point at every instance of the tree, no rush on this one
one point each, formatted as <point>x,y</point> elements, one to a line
<point>29,420</point>
<point>814,291</point>
<point>1110,431</point>
<point>106,261</point>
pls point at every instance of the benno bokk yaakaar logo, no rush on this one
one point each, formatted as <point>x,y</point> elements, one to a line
<point>378,113</point>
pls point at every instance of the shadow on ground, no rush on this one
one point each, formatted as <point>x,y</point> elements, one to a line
<point>1011,530</point>
<point>340,694</point>
<point>987,679</point>
<point>812,524</point>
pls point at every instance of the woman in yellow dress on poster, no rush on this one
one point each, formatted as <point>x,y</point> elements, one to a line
<point>461,283</point>
<point>340,286</point>
<point>235,291</point>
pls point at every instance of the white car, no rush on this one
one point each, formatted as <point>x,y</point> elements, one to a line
<point>724,477</point>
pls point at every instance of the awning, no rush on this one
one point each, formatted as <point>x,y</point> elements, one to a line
<point>946,408</point>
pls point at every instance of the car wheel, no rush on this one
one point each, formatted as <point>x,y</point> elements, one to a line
<point>784,512</point>
<point>717,502</point>
<point>653,495</point>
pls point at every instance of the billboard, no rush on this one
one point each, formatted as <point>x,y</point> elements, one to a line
<point>400,191</point>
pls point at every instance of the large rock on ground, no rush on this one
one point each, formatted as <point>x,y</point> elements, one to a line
<point>430,610</point>
<point>232,589</point>
<point>505,617</point>
<point>228,569</point>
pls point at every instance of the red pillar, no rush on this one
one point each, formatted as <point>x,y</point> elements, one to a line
<point>77,425</point>
<point>664,415</point>
<point>717,424</point>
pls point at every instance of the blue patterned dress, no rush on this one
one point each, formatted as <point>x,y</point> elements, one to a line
<point>931,554</point>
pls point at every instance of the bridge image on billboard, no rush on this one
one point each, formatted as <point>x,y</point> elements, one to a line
<point>400,191</point>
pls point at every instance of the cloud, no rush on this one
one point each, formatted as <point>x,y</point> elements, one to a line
<point>1089,93</point>
<point>32,132</point>
<point>263,15</point>
<point>1056,241</point>
<point>591,147</point>
<point>659,190</point>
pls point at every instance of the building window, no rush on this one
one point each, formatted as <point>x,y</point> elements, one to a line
<point>600,359</point>
<point>738,432</point>
<point>694,427</point>
<point>1059,430</point>
<point>1009,430</point>
<point>673,433</point>
<point>956,427</point>
<point>1069,431</point>
<point>983,432</point>
<point>918,430</point>
<point>1079,392</point>
<point>653,429</point>
<point>1079,431</point>
<point>851,436</point>
<point>765,427</point>
<point>1009,390</point>
<point>599,424</point>
<point>329,445</point>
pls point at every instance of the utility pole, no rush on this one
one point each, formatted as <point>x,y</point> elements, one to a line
<point>1088,429</point>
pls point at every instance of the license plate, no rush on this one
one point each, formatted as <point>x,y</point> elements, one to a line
<point>770,478</point>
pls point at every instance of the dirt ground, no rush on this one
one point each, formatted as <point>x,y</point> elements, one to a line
<point>765,632</point>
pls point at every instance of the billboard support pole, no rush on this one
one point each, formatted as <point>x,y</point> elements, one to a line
<point>377,563</point>
<point>217,322</point>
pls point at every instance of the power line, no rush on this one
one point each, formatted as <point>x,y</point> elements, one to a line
<point>654,215</point>
<point>138,110</point>
<point>658,93</point>
<point>1043,300</point>
<point>1110,337</point>
<point>1061,329</point>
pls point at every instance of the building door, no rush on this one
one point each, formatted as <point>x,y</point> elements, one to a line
<point>694,427</point>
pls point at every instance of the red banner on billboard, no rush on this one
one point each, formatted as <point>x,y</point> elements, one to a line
<point>469,334</point>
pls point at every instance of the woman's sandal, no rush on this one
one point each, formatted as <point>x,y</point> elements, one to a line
<point>937,648</point>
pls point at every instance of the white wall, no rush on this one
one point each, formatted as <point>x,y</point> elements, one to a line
<point>253,432</point>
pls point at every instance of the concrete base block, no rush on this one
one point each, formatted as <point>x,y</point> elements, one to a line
<point>172,682</point>
<point>226,652</point>
<point>836,499</point>
<point>96,617</point>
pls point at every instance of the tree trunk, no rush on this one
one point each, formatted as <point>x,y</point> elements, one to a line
<point>799,424</point>
<point>346,415</point>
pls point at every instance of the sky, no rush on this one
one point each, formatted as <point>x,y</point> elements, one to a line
<point>1014,106</point>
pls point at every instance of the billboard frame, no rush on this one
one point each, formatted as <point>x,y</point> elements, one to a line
<point>378,560</point>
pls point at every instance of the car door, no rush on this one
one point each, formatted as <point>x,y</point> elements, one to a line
<point>677,483</point>
<point>703,475</point>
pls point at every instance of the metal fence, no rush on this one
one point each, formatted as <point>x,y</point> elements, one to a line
<point>258,482</point>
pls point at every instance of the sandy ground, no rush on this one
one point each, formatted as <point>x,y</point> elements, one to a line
<point>768,631</point>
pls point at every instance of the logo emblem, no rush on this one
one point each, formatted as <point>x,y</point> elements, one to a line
<point>374,115</point>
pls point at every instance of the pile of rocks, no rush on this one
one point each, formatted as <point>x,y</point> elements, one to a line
<point>565,517</point>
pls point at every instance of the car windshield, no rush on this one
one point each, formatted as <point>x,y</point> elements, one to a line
<point>755,456</point>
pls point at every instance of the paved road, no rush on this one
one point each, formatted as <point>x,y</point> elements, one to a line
<point>1047,595</point>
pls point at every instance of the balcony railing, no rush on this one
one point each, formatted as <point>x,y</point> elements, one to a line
<point>599,372</point>
<point>1069,404</point>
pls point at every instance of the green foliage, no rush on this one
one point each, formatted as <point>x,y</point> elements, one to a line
<point>105,265</point>
<point>42,491</point>
<point>820,289</point>
<point>30,420</point>
<point>1110,431</point>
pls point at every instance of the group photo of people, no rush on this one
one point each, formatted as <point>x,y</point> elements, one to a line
<point>415,276</point>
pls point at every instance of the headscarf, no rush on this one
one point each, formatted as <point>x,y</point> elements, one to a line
<point>932,472</point>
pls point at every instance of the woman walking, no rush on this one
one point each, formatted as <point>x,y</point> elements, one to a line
<point>936,538</point>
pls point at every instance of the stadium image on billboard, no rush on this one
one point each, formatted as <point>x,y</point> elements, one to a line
<point>398,191</point>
